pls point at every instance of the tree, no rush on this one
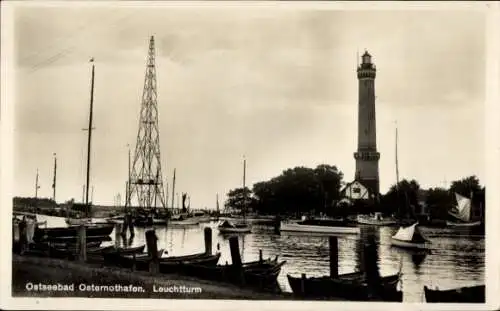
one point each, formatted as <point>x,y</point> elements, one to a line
<point>439,202</point>
<point>239,199</point>
<point>466,186</point>
<point>401,197</point>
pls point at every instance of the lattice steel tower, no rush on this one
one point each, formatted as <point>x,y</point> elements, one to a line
<point>145,184</point>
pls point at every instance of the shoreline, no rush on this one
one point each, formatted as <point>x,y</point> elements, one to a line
<point>28,271</point>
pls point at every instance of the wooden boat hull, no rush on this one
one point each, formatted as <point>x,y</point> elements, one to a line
<point>463,224</point>
<point>375,222</point>
<point>71,232</point>
<point>185,222</point>
<point>177,264</point>
<point>409,244</point>
<point>295,227</point>
<point>350,286</point>
<point>235,230</point>
<point>473,294</point>
<point>261,275</point>
<point>125,251</point>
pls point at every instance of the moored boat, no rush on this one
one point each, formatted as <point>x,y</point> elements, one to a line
<point>350,286</point>
<point>71,232</point>
<point>462,213</point>
<point>320,226</point>
<point>410,237</point>
<point>201,216</point>
<point>183,220</point>
<point>259,274</point>
<point>376,219</point>
<point>471,294</point>
<point>234,227</point>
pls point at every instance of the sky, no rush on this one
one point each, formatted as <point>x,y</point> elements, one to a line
<point>275,85</point>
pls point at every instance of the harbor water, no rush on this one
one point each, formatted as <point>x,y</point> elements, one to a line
<point>455,259</point>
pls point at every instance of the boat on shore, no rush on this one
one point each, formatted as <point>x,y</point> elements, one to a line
<point>42,234</point>
<point>333,226</point>
<point>471,294</point>
<point>376,219</point>
<point>410,237</point>
<point>260,274</point>
<point>350,286</point>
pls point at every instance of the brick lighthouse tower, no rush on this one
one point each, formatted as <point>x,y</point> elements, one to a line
<point>367,156</point>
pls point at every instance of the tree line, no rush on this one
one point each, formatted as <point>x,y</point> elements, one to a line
<point>302,190</point>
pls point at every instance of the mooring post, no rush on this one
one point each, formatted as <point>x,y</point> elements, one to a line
<point>303,283</point>
<point>260,256</point>
<point>118,234</point>
<point>133,262</point>
<point>208,241</point>
<point>151,241</point>
<point>131,225</point>
<point>334,257</point>
<point>236,257</point>
<point>82,236</point>
<point>125,226</point>
<point>235,251</point>
<point>371,267</point>
<point>277,224</point>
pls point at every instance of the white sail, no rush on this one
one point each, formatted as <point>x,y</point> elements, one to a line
<point>405,234</point>
<point>463,208</point>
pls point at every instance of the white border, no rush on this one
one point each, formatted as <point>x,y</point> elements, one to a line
<point>492,155</point>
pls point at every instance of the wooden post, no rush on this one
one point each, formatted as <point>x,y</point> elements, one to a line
<point>118,233</point>
<point>303,284</point>
<point>371,267</point>
<point>235,251</point>
<point>131,225</point>
<point>22,236</point>
<point>82,237</point>
<point>208,241</point>
<point>277,224</point>
<point>125,226</point>
<point>260,256</point>
<point>334,257</point>
<point>151,241</point>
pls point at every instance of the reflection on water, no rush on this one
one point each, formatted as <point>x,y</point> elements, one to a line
<point>455,259</point>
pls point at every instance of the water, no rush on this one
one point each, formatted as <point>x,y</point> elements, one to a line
<point>456,259</point>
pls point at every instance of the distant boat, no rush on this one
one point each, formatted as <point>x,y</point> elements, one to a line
<point>463,213</point>
<point>376,219</point>
<point>201,216</point>
<point>183,220</point>
<point>320,226</point>
<point>234,227</point>
<point>228,226</point>
<point>410,237</point>
<point>472,294</point>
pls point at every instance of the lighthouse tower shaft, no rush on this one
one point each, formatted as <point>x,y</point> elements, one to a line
<point>367,156</point>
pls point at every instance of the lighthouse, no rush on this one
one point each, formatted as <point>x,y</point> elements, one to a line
<point>366,156</point>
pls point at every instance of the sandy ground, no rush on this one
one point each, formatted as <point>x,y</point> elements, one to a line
<point>38,270</point>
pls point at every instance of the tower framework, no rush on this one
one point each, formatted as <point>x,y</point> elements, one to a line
<point>146,189</point>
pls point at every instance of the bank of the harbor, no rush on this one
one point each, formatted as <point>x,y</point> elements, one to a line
<point>108,282</point>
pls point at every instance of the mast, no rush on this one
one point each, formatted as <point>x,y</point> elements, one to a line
<point>54,181</point>
<point>127,203</point>
<point>244,187</point>
<point>90,136</point>
<point>173,190</point>
<point>397,165</point>
<point>36,190</point>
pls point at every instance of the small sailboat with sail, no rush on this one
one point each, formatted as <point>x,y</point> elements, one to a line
<point>408,236</point>
<point>462,213</point>
<point>241,226</point>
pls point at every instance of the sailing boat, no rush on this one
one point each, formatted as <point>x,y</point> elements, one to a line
<point>86,206</point>
<point>463,213</point>
<point>408,236</point>
<point>243,226</point>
